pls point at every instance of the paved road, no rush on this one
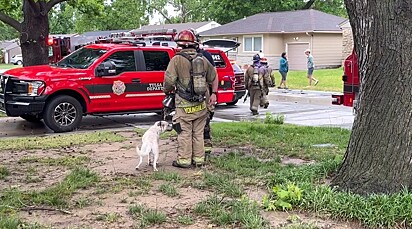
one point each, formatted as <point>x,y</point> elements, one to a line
<point>299,107</point>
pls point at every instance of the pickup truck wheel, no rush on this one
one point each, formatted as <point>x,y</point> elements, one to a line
<point>63,114</point>
<point>232,103</point>
<point>31,118</point>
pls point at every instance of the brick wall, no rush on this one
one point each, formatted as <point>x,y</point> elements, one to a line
<point>347,42</point>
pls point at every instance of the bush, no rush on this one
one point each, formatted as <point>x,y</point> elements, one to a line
<point>274,119</point>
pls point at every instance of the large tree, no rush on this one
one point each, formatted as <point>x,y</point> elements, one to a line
<point>117,14</point>
<point>184,10</point>
<point>33,26</point>
<point>379,155</point>
<point>33,29</point>
<point>225,11</point>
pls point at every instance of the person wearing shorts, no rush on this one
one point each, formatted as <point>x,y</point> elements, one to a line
<point>311,67</point>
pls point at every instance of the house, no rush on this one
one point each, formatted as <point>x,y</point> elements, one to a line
<point>347,38</point>
<point>198,26</point>
<point>291,31</point>
<point>9,49</point>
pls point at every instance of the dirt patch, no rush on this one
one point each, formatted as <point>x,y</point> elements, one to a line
<point>295,161</point>
<point>107,204</point>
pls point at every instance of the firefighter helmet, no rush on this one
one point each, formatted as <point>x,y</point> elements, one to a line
<point>197,36</point>
<point>186,38</point>
<point>256,58</point>
<point>263,60</point>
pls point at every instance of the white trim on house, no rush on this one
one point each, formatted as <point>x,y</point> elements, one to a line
<point>253,43</point>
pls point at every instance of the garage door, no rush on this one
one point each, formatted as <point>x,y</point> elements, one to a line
<point>296,56</point>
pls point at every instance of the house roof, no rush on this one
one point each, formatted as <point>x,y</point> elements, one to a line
<point>179,26</point>
<point>10,44</point>
<point>280,22</point>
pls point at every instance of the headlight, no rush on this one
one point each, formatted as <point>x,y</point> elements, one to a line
<point>31,88</point>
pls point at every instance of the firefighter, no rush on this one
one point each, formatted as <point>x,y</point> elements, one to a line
<point>189,74</point>
<point>267,82</point>
<point>211,108</point>
<point>255,76</point>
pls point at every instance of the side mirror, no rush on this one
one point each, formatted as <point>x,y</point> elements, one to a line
<point>107,68</point>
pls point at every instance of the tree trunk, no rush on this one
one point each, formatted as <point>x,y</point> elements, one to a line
<point>379,155</point>
<point>34,34</point>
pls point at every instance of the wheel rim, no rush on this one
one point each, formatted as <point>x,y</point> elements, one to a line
<point>65,114</point>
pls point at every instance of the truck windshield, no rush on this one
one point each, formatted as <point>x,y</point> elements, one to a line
<point>82,58</point>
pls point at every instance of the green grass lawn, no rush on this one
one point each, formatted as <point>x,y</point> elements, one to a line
<point>329,80</point>
<point>8,66</point>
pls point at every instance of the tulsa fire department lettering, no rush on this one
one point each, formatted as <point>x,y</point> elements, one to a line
<point>118,87</point>
<point>155,87</point>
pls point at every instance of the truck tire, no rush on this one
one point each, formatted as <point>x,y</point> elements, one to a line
<point>31,118</point>
<point>233,102</point>
<point>63,114</point>
<point>19,62</point>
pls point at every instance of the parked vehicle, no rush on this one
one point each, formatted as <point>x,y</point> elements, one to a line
<point>17,59</point>
<point>351,85</point>
<point>97,79</point>
<point>227,45</point>
<point>59,47</point>
<point>240,87</point>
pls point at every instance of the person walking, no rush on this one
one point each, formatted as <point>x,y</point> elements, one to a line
<point>255,76</point>
<point>283,70</point>
<point>311,67</point>
<point>190,75</point>
<point>264,102</point>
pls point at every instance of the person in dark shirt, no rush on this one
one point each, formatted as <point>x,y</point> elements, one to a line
<point>206,134</point>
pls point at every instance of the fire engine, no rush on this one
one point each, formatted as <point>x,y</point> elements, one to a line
<point>98,79</point>
<point>59,47</point>
<point>350,80</point>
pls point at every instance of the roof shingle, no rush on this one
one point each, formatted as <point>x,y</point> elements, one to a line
<point>278,22</point>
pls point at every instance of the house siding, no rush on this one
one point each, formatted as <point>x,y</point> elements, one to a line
<point>327,50</point>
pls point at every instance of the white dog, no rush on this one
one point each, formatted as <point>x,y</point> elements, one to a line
<point>150,142</point>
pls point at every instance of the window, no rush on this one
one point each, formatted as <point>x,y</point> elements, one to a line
<point>253,44</point>
<point>124,61</point>
<point>219,61</point>
<point>82,58</point>
<point>156,60</point>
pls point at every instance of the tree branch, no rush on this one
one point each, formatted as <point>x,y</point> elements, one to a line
<point>164,15</point>
<point>308,4</point>
<point>52,3</point>
<point>10,21</point>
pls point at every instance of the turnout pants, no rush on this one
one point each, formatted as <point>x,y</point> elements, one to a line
<point>190,136</point>
<point>255,96</point>
<point>264,102</point>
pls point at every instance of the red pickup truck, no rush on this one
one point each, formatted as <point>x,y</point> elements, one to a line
<point>98,79</point>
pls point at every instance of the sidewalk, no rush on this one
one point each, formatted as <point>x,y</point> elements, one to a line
<point>301,96</point>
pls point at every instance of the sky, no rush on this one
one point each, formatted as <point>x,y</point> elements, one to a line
<point>158,17</point>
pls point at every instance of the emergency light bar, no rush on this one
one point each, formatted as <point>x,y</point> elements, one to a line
<point>154,31</point>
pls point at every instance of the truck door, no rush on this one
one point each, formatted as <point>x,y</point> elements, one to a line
<point>110,93</point>
<point>152,64</point>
